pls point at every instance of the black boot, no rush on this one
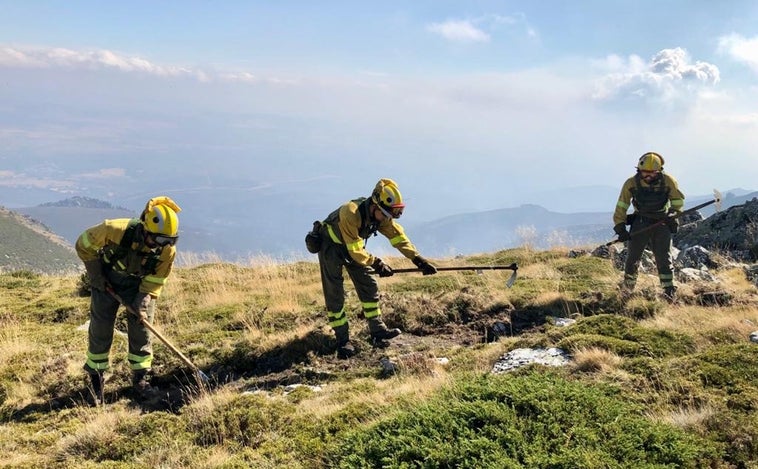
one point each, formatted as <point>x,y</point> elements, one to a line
<point>344,348</point>
<point>97,397</point>
<point>379,331</point>
<point>141,385</point>
<point>669,294</point>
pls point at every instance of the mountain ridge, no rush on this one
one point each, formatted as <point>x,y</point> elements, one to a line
<point>274,232</point>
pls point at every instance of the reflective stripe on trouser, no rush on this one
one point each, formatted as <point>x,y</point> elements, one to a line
<point>371,309</point>
<point>659,240</point>
<point>103,310</point>
<point>332,258</point>
<point>337,319</point>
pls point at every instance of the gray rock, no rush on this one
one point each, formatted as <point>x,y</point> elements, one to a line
<point>525,356</point>
<point>733,230</point>
<point>696,257</point>
<point>687,275</point>
<point>563,322</point>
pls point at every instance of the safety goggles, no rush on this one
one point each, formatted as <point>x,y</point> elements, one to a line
<point>163,240</point>
<point>392,212</point>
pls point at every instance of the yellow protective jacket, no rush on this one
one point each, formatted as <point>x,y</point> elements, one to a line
<point>671,198</point>
<point>109,233</point>
<point>351,224</point>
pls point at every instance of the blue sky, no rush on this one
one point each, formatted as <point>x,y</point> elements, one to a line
<point>470,105</point>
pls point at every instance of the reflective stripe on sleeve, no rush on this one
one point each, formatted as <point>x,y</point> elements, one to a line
<point>356,246</point>
<point>155,279</point>
<point>398,239</point>
<point>85,240</point>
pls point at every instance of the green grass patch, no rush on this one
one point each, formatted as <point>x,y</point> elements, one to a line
<point>527,421</point>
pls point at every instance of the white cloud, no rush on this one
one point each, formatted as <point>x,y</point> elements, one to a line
<point>38,57</point>
<point>741,49</point>
<point>459,31</point>
<point>667,76</point>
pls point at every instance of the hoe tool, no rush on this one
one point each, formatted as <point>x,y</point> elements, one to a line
<point>202,377</point>
<point>716,200</point>
<point>477,268</point>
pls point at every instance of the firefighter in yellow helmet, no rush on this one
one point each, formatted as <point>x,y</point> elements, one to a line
<point>134,257</point>
<point>655,195</point>
<point>343,244</point>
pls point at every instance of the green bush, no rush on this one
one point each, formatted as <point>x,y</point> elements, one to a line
<point>532,420</point>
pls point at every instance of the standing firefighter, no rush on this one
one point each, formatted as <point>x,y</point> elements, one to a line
<point>134,257</point>
<point>655,195</point>
<point>343,243</point>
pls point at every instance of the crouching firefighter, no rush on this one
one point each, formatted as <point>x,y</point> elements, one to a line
<point>134,257</point>
<point>343,244</point>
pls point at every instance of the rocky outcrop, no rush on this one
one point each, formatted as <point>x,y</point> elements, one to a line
<point>733,232</point>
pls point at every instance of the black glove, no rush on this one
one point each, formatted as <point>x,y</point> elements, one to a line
<point>381,268</point>
<point>620,230</point>
<point>141,304</point>
<point>95,274</point>
<point>424,265</point>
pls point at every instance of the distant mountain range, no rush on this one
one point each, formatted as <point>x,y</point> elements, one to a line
<point>83,202</point>
<point>70,217</point>
<point>234,231</point>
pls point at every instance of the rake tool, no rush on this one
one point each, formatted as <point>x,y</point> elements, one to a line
<point>477,268</point>
<point>716,200</point>
<point>201,377</point>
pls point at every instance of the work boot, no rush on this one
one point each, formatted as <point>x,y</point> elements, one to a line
<point>379,331</point>
<point>344,348</point>
<point>96,397</point>
<point>626,289</point>
<point>141,385</point>
<point>669,294</point>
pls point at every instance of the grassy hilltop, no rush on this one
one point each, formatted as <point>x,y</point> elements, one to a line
<point>649,384</point>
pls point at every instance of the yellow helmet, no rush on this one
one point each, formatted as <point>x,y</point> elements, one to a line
<point>387,197</point>
<point>160,217</point>
<point>650,161</point>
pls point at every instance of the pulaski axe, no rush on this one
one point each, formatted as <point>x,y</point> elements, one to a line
<point>202,377</point>
<point>716,200</point>
<point>477,268</point>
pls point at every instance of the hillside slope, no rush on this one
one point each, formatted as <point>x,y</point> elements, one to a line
<point>648,384</point>
<point>26,245</point>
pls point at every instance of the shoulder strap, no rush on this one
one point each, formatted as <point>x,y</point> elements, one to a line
<point>131,229</point>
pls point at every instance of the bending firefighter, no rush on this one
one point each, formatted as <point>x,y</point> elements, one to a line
<point>134,257</point>
<point>655,196</point>
<point>343,244</point>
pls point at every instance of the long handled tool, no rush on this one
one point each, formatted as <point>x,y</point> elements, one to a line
<point>198,373</point>
<point>716,200</point>
<point>477,268</point>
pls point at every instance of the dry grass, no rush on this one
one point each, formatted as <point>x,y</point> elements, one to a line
<point>265,341</point>
<point>96,428</point>
<point>593,359</point>
<point>700,322</point>
<point>686,418</point>
<point>381,394</point>
<point>254,299</point>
